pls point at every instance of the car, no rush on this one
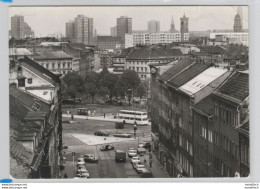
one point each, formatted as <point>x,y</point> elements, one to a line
<point>107,147</point>
<point>81,161</point>
<point>139,168</point>
<point>146,173</point>
<point>81,167</point>
<point>122,135</point>
<point>101,133</point>
<point>135,159</point>
<point>83,173</point>
<point>90,158</point>
<point>132,153</point>
<point>147,145</point>
<point>135,164</point>
<point>140,145</point>
<point>131,148</point>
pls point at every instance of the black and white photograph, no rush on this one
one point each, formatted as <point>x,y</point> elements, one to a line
<point>105,92</point>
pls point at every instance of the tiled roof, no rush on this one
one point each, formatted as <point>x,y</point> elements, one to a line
<point>16,108</point>
<point>214,49</point>
<point>30,101</point>
<point>40,71</point>
<point>205,106</point>
<point>21,154</point>
<point>235,87</point>
<point>175,69</point>
<point>52,55</point>
<point>187,74</point>
<point>153,53</point>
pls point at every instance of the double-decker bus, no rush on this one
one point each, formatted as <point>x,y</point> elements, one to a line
<point>132,117</point>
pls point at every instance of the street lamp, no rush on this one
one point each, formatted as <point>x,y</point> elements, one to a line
<point>135,128</point>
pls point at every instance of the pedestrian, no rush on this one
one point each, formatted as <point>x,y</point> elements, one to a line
<point>72,117</point>
<point>65,175</point>
<point>150,162</point>
<point>104,115</point>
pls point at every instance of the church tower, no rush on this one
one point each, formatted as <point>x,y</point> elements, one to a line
<point>172,28</point>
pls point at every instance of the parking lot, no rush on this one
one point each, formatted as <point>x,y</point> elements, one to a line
<point>79,138</point>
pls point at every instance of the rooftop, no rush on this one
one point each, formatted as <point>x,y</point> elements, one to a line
<point>187,74</point>
<point>40,71</point>
<point>52,55</point>
<point>108,38</point>
<point>29,100</point>
<point>19,52</point>
<point>205,106</point>
<point>235,88</point>
<point>153,53</point>
<point>175,69</point>
<point>202,80</point>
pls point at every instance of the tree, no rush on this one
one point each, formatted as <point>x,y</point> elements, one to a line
<point>130,81</point>
<point>92,84</point>
<point>109,81</point>
<point>104,72</point>
<point>141,90</point>
<point>73,85</point>
<point>92,90</point>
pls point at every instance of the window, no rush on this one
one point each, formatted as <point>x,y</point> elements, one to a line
<point>53,65</point>
<point>58,65</point>
<point>47,66</point>
<point>29,80</point>
<point>21,82</point>
<point>19,69</point>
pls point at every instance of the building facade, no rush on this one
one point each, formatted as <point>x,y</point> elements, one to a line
<point>109,42</point>
<point>35,121</point>
<point>233,38</point>
<point>80,30</point>
<point>57,62</point>
<point>19,28</point>
<point>229,113</point>
<point>178,88</point>
<point>113,31</point>
<point>124,26</point>
<point>153,26</point>
<point>139,58</point>
<point>131,40</point>
<point>70,30</point>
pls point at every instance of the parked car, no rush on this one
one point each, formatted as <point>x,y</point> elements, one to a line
<point>79,176</point>
<point>135,159</point>
<point>135,164</point>
<point>81,161</point>
<point>122,135</point>
<point>144,145</point>
<point>83,172</point>
<point>101,133</point>
<point>90,158</point>
<point>132,153</point>
<point>146,173</point>
<point>141,151</point>
<point>107,147</point>
<point>82,166</point>
<point>139,168</point>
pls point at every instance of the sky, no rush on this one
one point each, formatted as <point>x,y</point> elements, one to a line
<point>51,20</point>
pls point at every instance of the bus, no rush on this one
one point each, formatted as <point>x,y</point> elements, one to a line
<point>132,117</point>
<point>82,111</point>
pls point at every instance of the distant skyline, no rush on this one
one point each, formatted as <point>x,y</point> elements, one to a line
<point>45,21</point>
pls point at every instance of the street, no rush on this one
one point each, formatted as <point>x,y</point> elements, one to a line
<point>79,137</point>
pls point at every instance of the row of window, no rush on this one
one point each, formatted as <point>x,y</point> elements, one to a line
<point>207,135</point>
<point>185,164</point>
<point>226,115</point>
<point>184,143</point>
<point>59,65</point>
<point>137,69</point>
<point>244,153</point>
